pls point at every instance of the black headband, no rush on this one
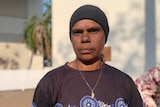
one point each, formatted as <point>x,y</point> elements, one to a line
<point>90,12</point>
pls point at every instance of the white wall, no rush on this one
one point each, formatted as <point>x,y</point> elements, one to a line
<point>20,79</point>
<point>157,9</point>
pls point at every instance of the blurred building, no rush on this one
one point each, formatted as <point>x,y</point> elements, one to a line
<point>14,55</point>
<point>13,15</point>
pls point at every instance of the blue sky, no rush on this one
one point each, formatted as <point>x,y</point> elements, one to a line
<point>45,1</point>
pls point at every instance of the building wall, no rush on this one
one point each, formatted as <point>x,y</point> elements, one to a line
<point>13,15</point>
<point>157,21</point>
<point>16,8</point>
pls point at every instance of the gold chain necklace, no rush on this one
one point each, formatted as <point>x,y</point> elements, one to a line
<point>92,89</point>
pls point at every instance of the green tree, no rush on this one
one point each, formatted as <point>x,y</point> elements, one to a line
<point>37,34</point>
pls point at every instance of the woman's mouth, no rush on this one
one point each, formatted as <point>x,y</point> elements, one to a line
<point>86,51</point>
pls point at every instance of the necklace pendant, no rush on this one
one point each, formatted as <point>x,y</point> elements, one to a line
<point>92,94</point>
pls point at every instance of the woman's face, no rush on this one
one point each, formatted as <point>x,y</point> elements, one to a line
<point>88,39</point>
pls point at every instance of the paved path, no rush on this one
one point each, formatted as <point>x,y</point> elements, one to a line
<point>16,98</point>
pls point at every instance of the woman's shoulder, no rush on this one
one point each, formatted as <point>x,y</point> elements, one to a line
<point>61,70</point>
<point>116,72</point>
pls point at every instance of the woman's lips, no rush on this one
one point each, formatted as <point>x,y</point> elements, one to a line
<point>86,51</point>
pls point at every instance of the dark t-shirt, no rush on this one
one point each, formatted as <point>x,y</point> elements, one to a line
<point>65,87</point>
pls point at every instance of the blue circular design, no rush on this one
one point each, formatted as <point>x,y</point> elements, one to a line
<point>58,105</point>
<point>120,102</point>
<point>88,101</point>
<point>33,104</point>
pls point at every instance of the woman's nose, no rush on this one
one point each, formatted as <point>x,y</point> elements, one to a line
<point>85,38</point>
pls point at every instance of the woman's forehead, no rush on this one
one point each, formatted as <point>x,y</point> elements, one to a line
<point>86,23</point>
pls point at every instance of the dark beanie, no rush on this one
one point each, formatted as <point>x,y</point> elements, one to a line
<point>90,12</point>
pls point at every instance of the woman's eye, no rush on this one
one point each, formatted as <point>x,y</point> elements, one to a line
<point>76,31</point>
<point>94,30</point>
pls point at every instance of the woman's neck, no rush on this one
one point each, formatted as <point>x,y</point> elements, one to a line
<point>76,64</point>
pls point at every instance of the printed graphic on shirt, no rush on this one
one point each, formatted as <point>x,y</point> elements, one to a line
<point>88,101</point>
<point>33,104</point>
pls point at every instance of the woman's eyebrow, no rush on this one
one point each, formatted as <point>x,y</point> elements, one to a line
<point>77,30</point>
<point>97,28</point>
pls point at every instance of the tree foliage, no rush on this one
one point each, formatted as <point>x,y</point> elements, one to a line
<point>37,33</point>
